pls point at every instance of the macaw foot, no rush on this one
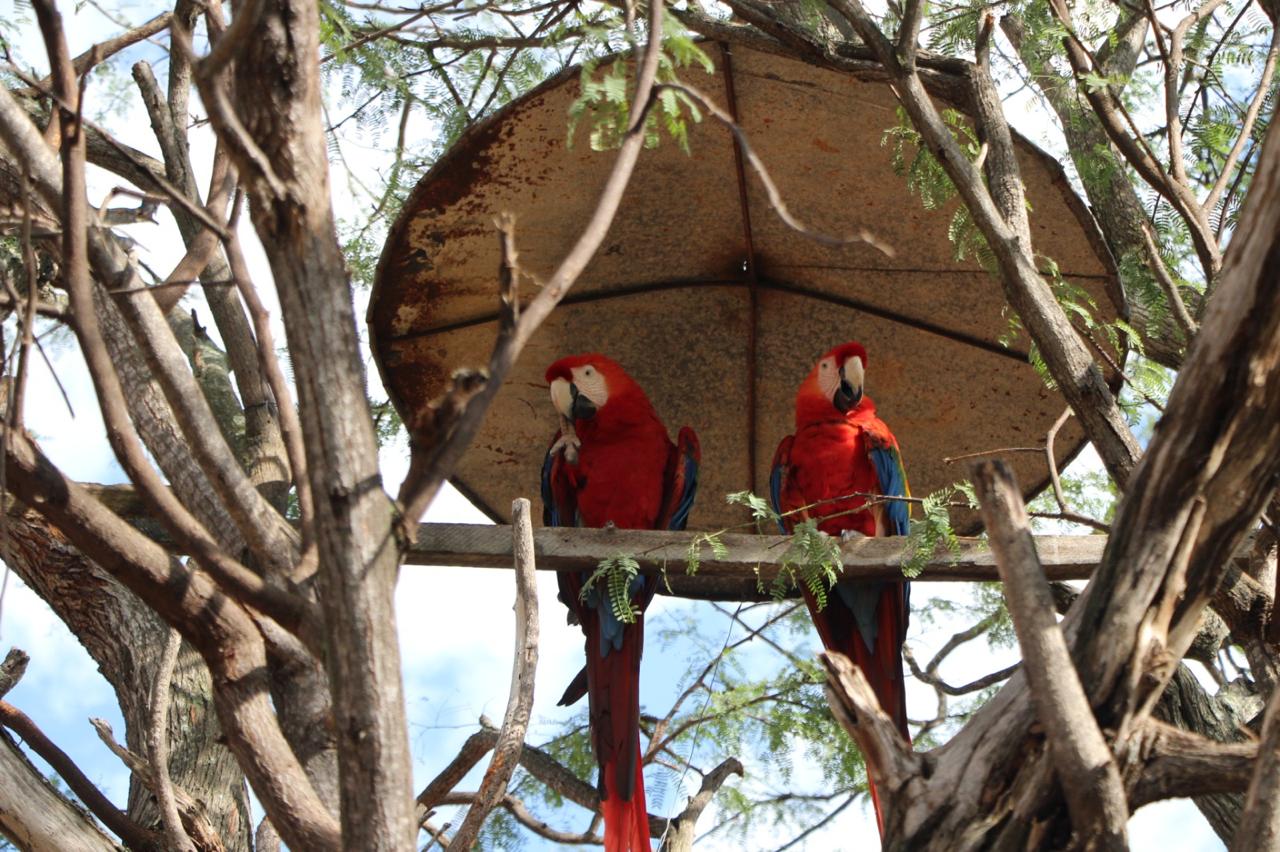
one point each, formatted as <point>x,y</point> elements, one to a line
<point>568,443</point>
<point>851,535</point>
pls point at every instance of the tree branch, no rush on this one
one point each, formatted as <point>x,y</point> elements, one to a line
<point>158,747</point>
<point>897,770</point>
<point>507,747</point>
<point>1089,777</point>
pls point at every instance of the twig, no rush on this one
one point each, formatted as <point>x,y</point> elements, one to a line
<point>776,200</point>
<point>1167,284</point>
<point>1246,126</point>
<point>105,50</point>
<point>112,817</point>
<point>158,746</point>
<point>506,750</point>
<point>1089,777</point>
<point>290,426</point>
<point>194,819</point>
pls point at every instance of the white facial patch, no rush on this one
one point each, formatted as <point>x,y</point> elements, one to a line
<point>828,377</point>
<point>591,385</point>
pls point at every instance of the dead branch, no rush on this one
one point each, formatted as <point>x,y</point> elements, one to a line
<point>133,834</point>
<point>158,747</point>
<point>202,835</point>
<point>1089,777</point>
<point>897,770</point>
<point>506,749</point>
<point>679,835</point>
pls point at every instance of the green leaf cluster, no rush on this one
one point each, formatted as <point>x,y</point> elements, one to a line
<point>933,529</point>
<point>604,100</point>
<point>614,574</point>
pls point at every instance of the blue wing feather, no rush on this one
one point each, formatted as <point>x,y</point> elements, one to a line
<point>682,481</point>
<point>781,459</point>
<point>893,483</point>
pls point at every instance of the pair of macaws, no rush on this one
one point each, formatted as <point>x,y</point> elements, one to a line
<point>612,462</point>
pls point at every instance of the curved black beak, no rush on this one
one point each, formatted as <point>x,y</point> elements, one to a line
<point>847,396</point>
<point>582,408</point>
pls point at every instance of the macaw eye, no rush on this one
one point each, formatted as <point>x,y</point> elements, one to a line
<point>587,371</point>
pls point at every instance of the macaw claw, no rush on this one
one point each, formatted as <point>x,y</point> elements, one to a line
<point>568,443</point>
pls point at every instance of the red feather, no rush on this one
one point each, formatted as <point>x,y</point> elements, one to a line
<point>830,457</point>
<point>629,474</point>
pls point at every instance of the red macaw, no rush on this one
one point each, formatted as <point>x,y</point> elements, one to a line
<point>842,448</point>
<point>615,465</point>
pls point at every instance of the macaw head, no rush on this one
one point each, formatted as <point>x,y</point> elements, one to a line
<point>838,378</point>
<point>582,385</point>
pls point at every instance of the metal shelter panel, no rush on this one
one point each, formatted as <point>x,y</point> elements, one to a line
<point>713,304</point>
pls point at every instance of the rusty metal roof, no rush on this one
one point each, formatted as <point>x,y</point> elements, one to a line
<point>720,336</point>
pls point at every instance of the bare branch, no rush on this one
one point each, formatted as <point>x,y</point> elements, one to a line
<point>1089,777</point>
<point>890,760</point>
<point>158,746</point>
<point>1246,126</point>
<point>102,51</point>
<point>38,815</point>
<point>205,838</point>
<point>680,837</point>
<point>506,750</point>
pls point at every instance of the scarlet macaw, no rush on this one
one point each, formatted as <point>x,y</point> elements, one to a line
<point>615,465</point>
<point>842,448</point>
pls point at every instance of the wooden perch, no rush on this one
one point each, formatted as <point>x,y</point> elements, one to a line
<point>1064,557</point>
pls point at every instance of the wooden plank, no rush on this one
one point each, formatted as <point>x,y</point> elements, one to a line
<point>1065,557</point>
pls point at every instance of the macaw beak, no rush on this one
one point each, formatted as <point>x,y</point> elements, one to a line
<point>581,408</point>
<point>849,394</point>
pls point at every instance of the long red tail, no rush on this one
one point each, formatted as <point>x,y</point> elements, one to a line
<point>613,691</point>
<point>882,664</point>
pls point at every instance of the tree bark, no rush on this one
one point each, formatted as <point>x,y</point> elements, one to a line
<point>36,817</point>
